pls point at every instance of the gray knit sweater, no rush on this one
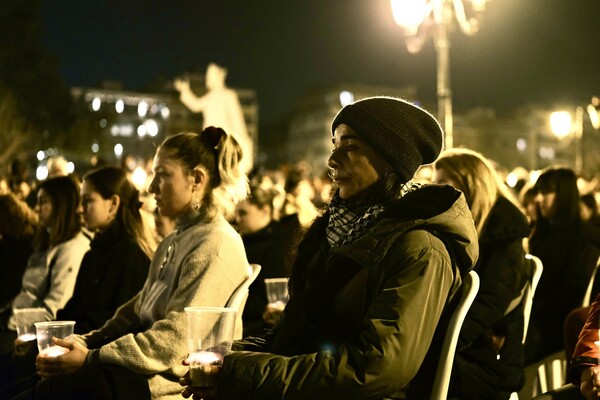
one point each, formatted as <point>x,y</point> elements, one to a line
<point>201,264</point>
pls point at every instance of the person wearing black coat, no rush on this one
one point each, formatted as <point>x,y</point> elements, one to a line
<point>266,243</point>
<point>569,249</point>
<point>489,358</point>
<point>17,227</point>
<point>111,272</point>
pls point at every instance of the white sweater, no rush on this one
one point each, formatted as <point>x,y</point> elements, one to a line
<point>54,291</point>
<point>206,263</point>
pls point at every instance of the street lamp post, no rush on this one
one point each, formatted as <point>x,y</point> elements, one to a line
<point>417,17</point>
<point>562,124</point>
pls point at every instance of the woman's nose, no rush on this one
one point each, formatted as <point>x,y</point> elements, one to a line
<point>332,160</point>
<point>152,187</point>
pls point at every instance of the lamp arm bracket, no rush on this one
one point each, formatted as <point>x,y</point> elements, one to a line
<point>469,26</point>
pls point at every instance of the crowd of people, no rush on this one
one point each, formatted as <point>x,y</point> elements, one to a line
<point>375,252</point>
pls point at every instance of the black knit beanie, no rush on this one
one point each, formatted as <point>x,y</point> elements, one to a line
<point>405,135</point>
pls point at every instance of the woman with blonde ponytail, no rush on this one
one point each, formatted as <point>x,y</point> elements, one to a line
<point>137,354</point>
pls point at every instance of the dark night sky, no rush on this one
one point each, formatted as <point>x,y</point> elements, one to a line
<point>527,51</point>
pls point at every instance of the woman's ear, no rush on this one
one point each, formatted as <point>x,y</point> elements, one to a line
<point>115,201</point>
<point>199,176</point>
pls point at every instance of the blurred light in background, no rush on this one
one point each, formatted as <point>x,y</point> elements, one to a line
<point>142,108</point>
<point>119,106</point>
<point>138,177</point>
<point>151,127</point>
<point>560,123</point>
<point>118,150</point>
<point>346,98</point>
<point>41,172</point>
<point>96,104</point>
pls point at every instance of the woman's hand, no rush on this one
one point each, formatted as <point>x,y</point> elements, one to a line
<point>22,348</point>
<point>590,383</point>
<point>67,363</point>
<point>204,393</point>
<point>272,314</point>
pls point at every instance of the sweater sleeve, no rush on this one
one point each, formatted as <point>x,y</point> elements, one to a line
<point>202,281</point>
<point>385,355</point>
<point>66,262</point>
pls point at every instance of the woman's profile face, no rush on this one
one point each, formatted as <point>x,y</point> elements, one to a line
<point>44,208</point>
<point>545,202</point>
<point>97,212</point>
<point>171,186</point>
<point>354,164</point>
<point>250,218</point>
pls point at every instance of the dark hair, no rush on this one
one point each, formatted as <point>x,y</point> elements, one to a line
<point>589,201</point>
<point>109,181</point>
<point>220,154</point>
<point>63,192</point>
<point>16,218</point>
<point>261,198</point>
<point>563,182</point>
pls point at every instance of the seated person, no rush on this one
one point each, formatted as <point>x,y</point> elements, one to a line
<point>373,276</point>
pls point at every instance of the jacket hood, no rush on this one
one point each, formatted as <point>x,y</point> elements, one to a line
<point>443,211</point>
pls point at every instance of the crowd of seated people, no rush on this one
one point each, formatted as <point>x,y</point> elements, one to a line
<point>85,250</point>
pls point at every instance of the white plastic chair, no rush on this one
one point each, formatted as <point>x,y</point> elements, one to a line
<point>240,295</point>
<point>551,370</point>
<point>444,368</point>
<point>528,296</point>
<point>538,268</point>
<point>587,298</point>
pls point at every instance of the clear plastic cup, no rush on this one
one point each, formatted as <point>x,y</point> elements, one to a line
<point>277,292</point>
<point>24,320</point>
<point>210,336</point>
<point>53,329</point>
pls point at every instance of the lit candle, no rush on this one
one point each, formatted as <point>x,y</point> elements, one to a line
<point>26,337</point>
<point>205,368</point>
<point>53,351</point>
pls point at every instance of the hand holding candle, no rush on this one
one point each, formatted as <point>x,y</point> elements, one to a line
<point>210,335</point>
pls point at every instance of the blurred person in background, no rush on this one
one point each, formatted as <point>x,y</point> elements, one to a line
<point>17,227</point>
<point>568,249</point>
<point>265,245</point>
<point>527,199</point>
<point>372,277</point>
<point>116,266</point>
<point>57,166</point>
<point>489,356</point>
<point>588,208</point>
<point>59,247</point>
<point>111,272</point>
<point>137,354</point>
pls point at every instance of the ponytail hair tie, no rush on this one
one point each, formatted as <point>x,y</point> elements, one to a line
<point>212,136</point>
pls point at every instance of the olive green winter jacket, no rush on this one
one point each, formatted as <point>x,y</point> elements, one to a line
<point>361,318</point>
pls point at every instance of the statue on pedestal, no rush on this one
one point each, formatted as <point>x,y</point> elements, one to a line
<point>220,107</point>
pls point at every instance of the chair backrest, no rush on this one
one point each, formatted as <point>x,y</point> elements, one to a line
<point>588,293</point>
<point>444,368</point>
<point>538,268</point>
<point>240,295</point>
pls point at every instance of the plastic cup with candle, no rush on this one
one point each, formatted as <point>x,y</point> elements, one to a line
<point>210,335</point>
<point>45,331</point>
<point>24,320</point>
<point>277,293</point>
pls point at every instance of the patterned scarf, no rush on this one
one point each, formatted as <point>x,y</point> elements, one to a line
<point>347,221</point>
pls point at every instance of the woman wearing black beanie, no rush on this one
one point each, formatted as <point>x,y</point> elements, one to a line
<point>372,275</point>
